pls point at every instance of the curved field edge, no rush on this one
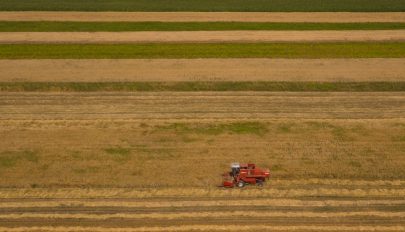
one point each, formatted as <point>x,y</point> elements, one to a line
<point>42,26</point>
<point>209,50</point>
<point>208,5</point>
<point>186,86</point>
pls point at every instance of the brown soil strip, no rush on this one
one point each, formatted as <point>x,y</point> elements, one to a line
<point>203,16</point>
<point>202,105</point>
<point>200,36</point>
<point>107,70</point>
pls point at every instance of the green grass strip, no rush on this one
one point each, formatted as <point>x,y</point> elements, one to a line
<point>186,26</point>
<point>205,5</point>
<point>203,86</point>
<point>223,50</point>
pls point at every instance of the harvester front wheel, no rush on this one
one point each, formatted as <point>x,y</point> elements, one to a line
<point>241,184</point>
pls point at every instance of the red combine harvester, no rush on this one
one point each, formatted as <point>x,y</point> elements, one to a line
<point>242,174</point>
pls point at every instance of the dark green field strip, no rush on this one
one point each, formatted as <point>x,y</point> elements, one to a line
<point>6,26</point>
<point>202,86</point>
<point>206,5</point>
<point>191,50</point>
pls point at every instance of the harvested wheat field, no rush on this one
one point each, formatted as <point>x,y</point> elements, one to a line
<point>200,36</point>
<point>330,17</point>
<point>133,70</point>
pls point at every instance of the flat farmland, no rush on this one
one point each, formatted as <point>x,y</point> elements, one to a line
<point>122,116</point>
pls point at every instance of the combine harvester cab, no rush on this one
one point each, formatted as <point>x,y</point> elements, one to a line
<point>243,174</point>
